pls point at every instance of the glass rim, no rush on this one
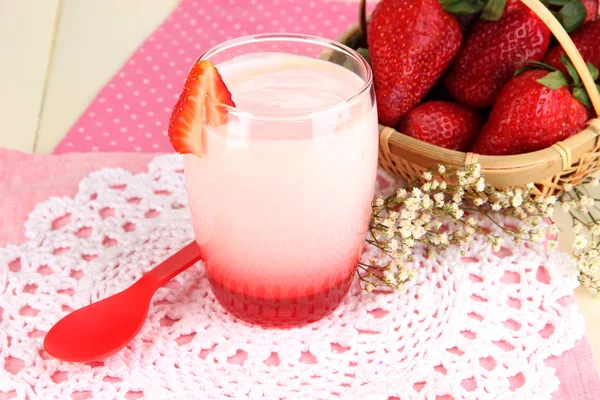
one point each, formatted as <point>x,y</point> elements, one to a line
<point>292,37</point>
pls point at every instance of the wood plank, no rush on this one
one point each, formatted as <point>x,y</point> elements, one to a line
<point>94,39</point>
<point>27,29</point>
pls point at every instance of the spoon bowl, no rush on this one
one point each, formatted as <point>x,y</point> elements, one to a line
<point>102,329</point>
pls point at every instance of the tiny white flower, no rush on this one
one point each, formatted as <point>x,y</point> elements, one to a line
<point>441,169</point>
<point>439,199</point>
<point>378,202</point>
<point>389,278</point>
<point>496,207</point>
<point>471,221</point>
<point>426,202</point>
<point>458,213</point>
<point>587,201</point>
<point>401,193</point>
<point>443,185</point>
<point>478,202</point>
<point>387,222</point>
<point>419,232</point>
<point>427,176</point>
<point>497,243</point>
<point>480,186</point>
<point>577,227</point>
<point>369,287</point>
<point>565,206</point>
<point>426,187</point>
<point>457,198</point>
<point>444,239</point>
<point>580,242</point>
<point>403,276</point>
<point>517,200</point>
<point>553,244</point>
<point>567,187</point>
<point>393,244</point>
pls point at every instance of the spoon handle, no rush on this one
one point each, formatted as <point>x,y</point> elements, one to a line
<point>172,266</point>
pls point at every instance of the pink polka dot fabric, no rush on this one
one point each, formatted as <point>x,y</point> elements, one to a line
<point>132,112</point>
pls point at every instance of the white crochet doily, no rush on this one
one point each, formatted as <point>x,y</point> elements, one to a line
<point>474,326</point>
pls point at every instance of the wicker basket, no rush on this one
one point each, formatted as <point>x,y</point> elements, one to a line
<point>568,161</point>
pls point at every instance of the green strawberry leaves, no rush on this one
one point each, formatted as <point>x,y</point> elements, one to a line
<point>580,94</point>
<point>570,69</point>
<point>463,7</point>
<point>493,10</point>
<point>570,13</point>
<point>593,70</point>
<point>365,54</point>
<point>556,79</point>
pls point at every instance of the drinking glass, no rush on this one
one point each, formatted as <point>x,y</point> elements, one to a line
<point>281,195</point>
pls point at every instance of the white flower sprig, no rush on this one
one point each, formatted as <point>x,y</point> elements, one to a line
<point>585,213</point>
<point>439,209</point>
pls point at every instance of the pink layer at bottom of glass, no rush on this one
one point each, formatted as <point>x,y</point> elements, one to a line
<point>284,312</point>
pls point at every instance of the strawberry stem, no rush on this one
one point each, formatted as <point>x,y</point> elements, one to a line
<point>362,17</point>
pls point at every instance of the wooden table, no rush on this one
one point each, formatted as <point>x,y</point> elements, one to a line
<point>43,93</point>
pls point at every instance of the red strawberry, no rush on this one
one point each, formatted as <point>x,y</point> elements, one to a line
<point>442,123</point>
<point>411,43</point>
<point>530,116</point>
<point>492,53</point>
<point>591,6</point>
<point>200,103</point>
<point>587,41</point>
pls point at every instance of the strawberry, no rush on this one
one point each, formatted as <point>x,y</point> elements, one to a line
<point>533,111</point>
<point>586,39</point>
<point>591,8</point>
<point>411,44</point>
<point>492,53</point>
<point>200,103</point>
<point>442,123</point>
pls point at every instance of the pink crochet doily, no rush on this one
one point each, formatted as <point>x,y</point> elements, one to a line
<point>474,326</point>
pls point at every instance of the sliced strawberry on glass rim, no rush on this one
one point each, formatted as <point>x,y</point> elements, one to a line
<point>200,103</point>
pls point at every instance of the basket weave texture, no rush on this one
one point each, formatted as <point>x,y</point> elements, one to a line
<point>569,161</point>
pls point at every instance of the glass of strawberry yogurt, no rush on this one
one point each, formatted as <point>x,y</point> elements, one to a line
<point>280,137</point>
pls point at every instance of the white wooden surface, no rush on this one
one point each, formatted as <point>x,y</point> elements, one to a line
<point>57,54</point>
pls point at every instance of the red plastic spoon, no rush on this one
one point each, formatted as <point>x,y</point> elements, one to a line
<point>101,329</point>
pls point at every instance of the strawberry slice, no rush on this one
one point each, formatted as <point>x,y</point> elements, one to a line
<point>194,109</point>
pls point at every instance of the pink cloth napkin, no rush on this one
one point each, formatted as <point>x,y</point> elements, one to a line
<point>132,112</point>
<point>26,180</point>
